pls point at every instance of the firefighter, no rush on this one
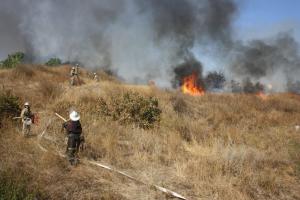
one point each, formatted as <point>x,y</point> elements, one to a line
<point>96,78</point>
<point>74,75</point>
<point>74,133</point>
<point>27,119</point>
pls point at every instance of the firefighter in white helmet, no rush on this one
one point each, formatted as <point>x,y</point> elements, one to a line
<point>74,131</point>
<point>27,119</point>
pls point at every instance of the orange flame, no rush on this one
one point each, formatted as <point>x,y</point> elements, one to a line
<point>190,86</point>
<point>262,95</point>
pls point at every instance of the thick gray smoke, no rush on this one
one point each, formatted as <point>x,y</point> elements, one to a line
<point>189,66</point>
<point>274,62</point>
<point>139,39</point>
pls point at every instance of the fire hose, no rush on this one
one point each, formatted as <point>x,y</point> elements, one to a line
<point>95,163</point>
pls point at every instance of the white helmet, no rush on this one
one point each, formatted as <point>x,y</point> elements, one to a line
<point>26,104</point>
<point>74,116</point>
<point>73,67</point>
<point>95,73</point>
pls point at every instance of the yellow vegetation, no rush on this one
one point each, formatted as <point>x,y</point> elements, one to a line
<point>216,146</point>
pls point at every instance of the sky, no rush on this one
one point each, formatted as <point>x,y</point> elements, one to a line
<point>258,19</point>
<point>263,18</point>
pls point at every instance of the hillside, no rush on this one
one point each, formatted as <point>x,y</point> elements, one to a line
<point>216,146</point>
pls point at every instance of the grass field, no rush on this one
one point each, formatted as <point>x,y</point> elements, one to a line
<point>216,146</point>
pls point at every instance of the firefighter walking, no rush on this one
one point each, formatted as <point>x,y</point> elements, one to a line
<point>27,119</point>
<point>74,132</point>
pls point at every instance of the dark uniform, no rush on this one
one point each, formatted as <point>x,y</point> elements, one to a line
<point>74,131</point>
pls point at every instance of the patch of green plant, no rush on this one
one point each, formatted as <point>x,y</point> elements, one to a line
<point>9,105</point>
<point>53,62</point>
<point>15,188</point>
<point>132,108</point>
<point>12,60</point>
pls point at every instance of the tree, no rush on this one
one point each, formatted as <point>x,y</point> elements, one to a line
<point>53,62</point>
<point>214,80</point>
<point>12,60</point>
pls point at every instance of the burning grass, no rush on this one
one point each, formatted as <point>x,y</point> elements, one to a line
<point>190,86</point>
<point>210,147</point>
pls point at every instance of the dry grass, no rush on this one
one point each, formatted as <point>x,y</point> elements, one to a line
<point>211,147</point>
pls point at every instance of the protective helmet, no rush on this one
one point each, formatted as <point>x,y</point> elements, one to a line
<point>77,65</point>
<point>95,73</point>
<point>74,116</point>
<point>73,67</point>
<point>26,104</point>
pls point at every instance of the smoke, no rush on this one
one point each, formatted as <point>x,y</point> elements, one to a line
<point>275,61</point>
<point>142,40</point>
<point>188,67</point>
<point>139,39</point>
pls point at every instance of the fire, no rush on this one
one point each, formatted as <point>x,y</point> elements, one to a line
<point>191,87</point>
<point>262,95</point>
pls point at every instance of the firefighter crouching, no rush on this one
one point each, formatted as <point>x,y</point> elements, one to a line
<point>74,132</point>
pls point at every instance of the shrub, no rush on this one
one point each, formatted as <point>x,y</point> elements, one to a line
<point>236,86</point>
<point>214,80</point>
<point>9,105</point>
<point>293,87</point>
<point>132,108</point>
<point>251,88</point>
<point>16,187</point>
<point>53,62</point>
<point>12,60</point>
<point>14,190</point>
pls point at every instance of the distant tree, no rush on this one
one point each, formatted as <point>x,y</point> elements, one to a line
<point>251,88</point>
<point>53,62</point>
<point>293,87</point>
<point>214,80</point>
<point>259,87</point>
<point>12,60</point>
<point>236,87</point>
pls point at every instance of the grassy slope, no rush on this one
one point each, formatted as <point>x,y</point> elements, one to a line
<point>211,147</point>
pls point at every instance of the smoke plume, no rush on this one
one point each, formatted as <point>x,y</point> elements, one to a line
<point>139,39</point>
<point>142,40</point>
<point>277,60</point>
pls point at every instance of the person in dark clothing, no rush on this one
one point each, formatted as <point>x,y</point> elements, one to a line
<point>74,131</point>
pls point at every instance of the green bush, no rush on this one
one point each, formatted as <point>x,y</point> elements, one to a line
<point>12,60</point>
<point>13,190</point>
<point>9,105</point>
<point>53,62</point>
<point>132,108</point>
<point>16,188</point>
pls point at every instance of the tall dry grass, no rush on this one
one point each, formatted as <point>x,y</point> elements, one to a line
<point>212,147</point>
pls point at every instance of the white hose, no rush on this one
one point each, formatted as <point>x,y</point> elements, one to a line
<point>162,189</point>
